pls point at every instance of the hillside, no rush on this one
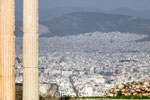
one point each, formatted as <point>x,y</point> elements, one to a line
<point>83,22</point>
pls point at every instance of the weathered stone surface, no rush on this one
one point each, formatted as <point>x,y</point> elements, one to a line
<point>139,88</point>
<point>46,91</point>
<point>120,86</point>
<point>50,90</point>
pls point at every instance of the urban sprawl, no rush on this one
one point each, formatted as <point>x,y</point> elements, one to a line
<point>88,64</point>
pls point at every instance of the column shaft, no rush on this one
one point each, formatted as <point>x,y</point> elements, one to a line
<point>7,49</point>
<point>30,50</point>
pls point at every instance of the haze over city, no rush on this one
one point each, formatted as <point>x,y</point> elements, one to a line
<point>97,4</point>
<point>91,47</point>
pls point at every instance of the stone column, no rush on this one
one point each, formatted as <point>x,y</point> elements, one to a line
<point>7,49</point>
<point>30,50</point>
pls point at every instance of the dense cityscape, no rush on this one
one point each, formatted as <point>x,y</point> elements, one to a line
<point>88,64</point>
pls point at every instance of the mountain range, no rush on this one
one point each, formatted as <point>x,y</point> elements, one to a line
<point>84,22</point>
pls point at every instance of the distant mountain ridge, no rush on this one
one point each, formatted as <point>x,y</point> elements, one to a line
<point>59,11</point>
<point>130,12</point>
<point>49,14</point>
<point>84,22</point>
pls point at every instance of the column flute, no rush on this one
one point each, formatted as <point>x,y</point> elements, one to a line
<point>30,50</point>
<point>7,49</point>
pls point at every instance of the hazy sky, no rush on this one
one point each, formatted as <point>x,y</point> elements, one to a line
<point>98,4</point>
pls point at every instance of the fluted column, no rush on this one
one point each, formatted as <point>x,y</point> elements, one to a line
<point>30,50</point>
<point>7,49</point>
